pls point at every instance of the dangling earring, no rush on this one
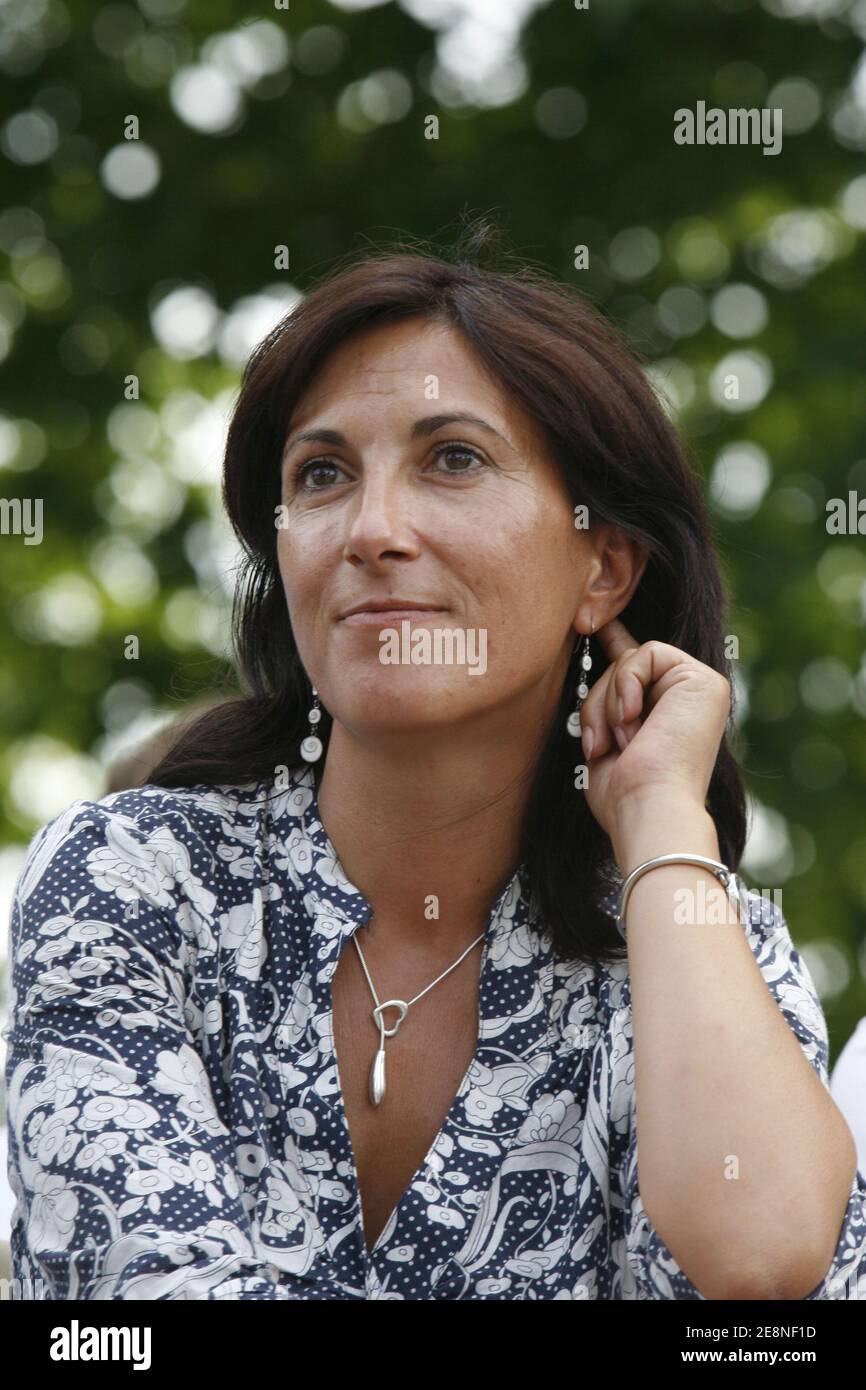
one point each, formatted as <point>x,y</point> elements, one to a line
<point>573,724</point>
<point>311,748</point>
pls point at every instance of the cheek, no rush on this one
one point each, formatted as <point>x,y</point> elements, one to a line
<point>525,629</point>
<point>300,564</point>
<point>535,595</point>
<point>287,565</point>
<point>526,569</point>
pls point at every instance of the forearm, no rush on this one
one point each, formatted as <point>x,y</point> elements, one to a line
<point>745,1162</point>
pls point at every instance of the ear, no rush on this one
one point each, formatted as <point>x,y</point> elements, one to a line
<point>616,569</point>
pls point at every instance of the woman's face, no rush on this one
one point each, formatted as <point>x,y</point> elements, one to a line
<point>469,516</point>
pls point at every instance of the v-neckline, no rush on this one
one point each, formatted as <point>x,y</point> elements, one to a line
<point>339,1100</point>
<point>348,923</point>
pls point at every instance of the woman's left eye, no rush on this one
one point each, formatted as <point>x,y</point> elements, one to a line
<point>464,449</point>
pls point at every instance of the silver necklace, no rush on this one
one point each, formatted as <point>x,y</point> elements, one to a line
<point>377,1071</point>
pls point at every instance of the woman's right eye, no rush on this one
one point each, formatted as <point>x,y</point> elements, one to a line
<point>300,473</point>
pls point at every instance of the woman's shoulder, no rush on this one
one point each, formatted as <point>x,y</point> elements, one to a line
<point>135,833</point>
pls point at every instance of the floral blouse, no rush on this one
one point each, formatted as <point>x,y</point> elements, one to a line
<point>177,1128</point>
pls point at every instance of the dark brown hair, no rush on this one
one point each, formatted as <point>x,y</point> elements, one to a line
<point>578,378</point>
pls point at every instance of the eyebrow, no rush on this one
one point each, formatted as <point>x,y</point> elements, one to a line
<point>421,428</point>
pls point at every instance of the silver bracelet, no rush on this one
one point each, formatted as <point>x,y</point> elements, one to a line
<point>730,881</point>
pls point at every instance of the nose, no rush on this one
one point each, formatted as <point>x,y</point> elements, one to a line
<point>381,524</point>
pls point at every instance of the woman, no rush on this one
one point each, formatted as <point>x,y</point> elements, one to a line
<point>339,1004</point>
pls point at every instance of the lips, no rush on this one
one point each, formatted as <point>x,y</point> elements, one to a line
<point>386,617</point>
<point>389,608</point>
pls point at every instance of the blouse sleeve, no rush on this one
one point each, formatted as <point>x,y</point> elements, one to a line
<point>653,1266</point>
<point>123,1170</point>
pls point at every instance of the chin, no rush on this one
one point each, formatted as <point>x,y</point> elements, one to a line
<point>408,701</point>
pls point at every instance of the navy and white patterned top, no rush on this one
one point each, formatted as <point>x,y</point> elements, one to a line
<point>177,1129</point>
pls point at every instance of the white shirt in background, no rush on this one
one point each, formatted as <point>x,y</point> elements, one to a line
<point>848,1088</point>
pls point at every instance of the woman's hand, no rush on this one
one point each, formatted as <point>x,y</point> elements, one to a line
<point>661,745</point>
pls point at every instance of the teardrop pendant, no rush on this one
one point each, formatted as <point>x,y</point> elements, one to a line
<point>377,1077</point>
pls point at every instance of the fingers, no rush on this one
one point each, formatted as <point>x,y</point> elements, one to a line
<point>618,700</point>
<point>615,638</point>
<point>596,715</point>
<point>633,684</point>
<point>625,696</point>
<point>623,703</point>
<point>601,710</point>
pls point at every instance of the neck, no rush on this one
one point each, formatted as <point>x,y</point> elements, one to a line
<point>430,832</point>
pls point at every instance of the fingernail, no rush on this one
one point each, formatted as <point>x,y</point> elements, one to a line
<point>619,735</point>
<point>621,707</point>
<point>588,740</point>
